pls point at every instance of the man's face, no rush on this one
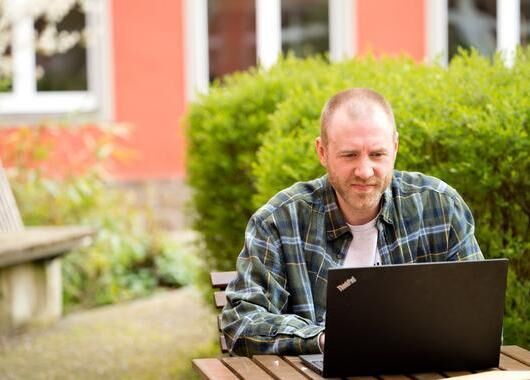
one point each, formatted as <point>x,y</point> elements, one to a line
<point>359,157</point>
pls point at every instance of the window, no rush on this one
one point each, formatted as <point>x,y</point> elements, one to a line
<point>305,28</point>
<point>223,36</point>
<point>231,36</point>
<point>54,62</point>
<point>62,68</point>
<point>472,23</point>
<point>525,22</point>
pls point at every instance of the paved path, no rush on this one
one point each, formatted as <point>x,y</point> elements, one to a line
<point>152,338</point>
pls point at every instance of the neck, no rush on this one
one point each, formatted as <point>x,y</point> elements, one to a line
<point>357,217</point>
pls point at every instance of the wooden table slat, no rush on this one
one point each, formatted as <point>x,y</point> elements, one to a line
<point>297,363</point>
<point>245,368</point>
<point>212,369</point>
<point>496,375</point>
<point>513,365</point>
<point>456,373</point>
<point>509,364</point>
<point>277,367</point>
<point>517,353</point>
<point>427,376</point>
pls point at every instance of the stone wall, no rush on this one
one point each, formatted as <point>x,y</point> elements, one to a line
<point>168,199</point>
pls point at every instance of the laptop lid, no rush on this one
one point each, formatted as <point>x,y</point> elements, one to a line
<point>414,317</point>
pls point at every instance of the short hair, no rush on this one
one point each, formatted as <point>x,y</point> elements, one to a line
<point>357,103</point>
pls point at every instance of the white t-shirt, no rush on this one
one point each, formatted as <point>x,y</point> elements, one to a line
<point>362,251</point>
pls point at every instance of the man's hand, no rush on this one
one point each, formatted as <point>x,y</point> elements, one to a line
<point>321,341</point>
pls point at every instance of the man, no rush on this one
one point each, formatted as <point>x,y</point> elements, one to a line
<point>361,213</point>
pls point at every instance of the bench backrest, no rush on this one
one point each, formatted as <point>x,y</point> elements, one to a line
<point>10,219</point>
<point>219,282</point>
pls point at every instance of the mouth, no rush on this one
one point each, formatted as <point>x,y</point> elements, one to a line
<point>363,188</point>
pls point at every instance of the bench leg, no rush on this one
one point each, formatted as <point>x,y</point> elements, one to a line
<point>30,293</point>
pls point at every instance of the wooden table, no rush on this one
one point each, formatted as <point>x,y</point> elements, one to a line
<point>514,364</point>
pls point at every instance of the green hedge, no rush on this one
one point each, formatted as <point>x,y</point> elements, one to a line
<point>467,125</point>
<point>226,130</point>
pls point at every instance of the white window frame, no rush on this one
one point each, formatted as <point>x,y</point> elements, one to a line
<point>342,37</point>
<point>436,20</point>
<point>342,29</point>
<point>24,102</point>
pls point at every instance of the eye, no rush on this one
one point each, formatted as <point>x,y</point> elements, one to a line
<point>377,154</point>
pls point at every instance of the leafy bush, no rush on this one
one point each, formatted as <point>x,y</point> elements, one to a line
<point>130,256</point>
<point>225,130</point>
<point>467,124</point>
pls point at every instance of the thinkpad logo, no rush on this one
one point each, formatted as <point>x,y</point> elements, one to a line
<point>346,284</point>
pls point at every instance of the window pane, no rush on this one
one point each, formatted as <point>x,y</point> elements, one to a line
<point>473,23</point>
<point>231,36</point>
<point>61,56</point>
<point>305,27</point>
<point>525,22</point>
<point>6,71</point>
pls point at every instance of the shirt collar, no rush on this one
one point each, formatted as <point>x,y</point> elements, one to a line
<point>336,224</point>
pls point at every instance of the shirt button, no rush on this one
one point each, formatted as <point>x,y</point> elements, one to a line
<point>340,256</point>
<point>320,319</point>
<point>274,330</point>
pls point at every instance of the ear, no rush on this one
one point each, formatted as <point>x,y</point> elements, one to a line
<point>321,152</point>
<point>396,145</point>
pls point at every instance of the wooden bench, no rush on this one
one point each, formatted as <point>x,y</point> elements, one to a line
<point>30,265</point>
<point>219,281</point>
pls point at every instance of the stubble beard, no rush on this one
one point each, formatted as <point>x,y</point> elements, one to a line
<point>357,201</point>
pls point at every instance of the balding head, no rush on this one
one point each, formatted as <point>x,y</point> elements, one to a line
<point>358,103</point>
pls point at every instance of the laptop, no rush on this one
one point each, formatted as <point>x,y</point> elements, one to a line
<point>413,318</point>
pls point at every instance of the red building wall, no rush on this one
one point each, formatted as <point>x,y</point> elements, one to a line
<point>149,88</point>
<point>391,27</point>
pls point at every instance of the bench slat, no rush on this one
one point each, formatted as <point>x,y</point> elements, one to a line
<point>221,279</point>
<point>212,369</point>
<point>517,353</point>
<point>276,367</point>
<point>10,219</point>
<point>219,299</point>
<point>222,343</point>
<point>509,364</point>
<point>394,377</point>
<point>246,368</point>
<point>35,243</point>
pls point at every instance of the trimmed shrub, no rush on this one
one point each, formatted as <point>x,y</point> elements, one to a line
<point>224,131</point>
<point>467,124</point>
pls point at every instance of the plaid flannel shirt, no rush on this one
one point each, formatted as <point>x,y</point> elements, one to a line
<point>277,303</point>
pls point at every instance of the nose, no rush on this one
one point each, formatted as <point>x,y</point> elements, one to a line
<point>364,169</point>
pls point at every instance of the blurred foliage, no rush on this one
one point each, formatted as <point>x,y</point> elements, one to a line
<point>130,255</point>
<point>467,124</point>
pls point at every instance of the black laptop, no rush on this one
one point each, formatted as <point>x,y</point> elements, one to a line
<point>413,318</point>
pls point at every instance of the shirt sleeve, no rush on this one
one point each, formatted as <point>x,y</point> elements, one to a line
<point>462,244</point>
<point>256,318</point>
